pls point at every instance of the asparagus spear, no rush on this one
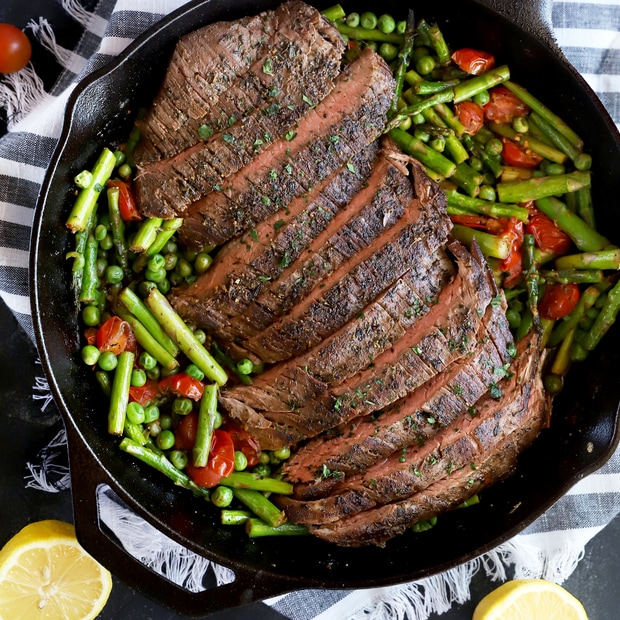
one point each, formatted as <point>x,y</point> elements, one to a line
<point>146,235</point>
<point>605,318</point>
<point>491,245</point>
<point>542,187</point>
<point>120,393</point>
<point>117,228</point>
<point>427,156</point>
<point>260,506</point>
<point>404,56</point>
<point>485,207</point>
<point>357,33</point>
<point>249,480</point>
<point>234,517</point>
<point>256,528</point>
<point>604,259</point>
<point>90,279</point>
<point>205,425</point>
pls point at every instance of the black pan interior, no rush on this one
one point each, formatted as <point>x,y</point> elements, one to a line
<point>583,432</point>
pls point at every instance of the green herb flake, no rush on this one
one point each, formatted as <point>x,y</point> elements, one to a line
<point>351,167</point>
<point>267,67</point>
<point>204,131</point>
<point>264,278</point>
<point>290,135</point>
<point>278,224</point>
<point>495,391</point>
<point>307,100</point>
<point>254,234</point>
<point>288,168</point>
<point>229,138</point>
<point>98,187</point>
<point>496,302</point>
<point>265,200</point>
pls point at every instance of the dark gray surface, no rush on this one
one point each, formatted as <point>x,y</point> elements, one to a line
<point>26,429</point>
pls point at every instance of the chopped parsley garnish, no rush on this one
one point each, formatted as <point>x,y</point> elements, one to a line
<point>267,67</point>
<point>204,131</point>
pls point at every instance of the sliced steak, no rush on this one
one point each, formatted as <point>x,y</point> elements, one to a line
<point>301,406</point>
<point>448,439</point>
<point>378,525</point>
<point>223,70</point>
<point>412,420</point>
<point>257,108</point>
<point>326,137</point>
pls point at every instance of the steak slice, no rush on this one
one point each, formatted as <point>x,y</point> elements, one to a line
<point>448,439</point>
<point>299,406</point>
<point>378,525</point>
<point>412,420</point>
<point>326,137</point>
<point>216,73</point>
<point>258,107</point>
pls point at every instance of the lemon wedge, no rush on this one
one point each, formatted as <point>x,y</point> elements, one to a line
<point>529,599</point>
<point>45,574</point>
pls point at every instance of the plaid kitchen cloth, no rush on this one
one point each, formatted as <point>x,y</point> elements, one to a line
<point>588,31</point>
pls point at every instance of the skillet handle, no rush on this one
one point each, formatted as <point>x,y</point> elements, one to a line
<point>87,476</point>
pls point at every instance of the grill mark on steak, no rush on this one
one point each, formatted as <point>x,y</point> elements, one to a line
<point>354,112</point>
<point>302,407</point>
<point>351,285</point>
<point>413,419</point>
<point>378,525</point>
<point>265,105</point>
<point>438,448</point>
<point>217,73</point>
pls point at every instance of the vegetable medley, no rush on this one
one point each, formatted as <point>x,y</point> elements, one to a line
<point>517,181</point>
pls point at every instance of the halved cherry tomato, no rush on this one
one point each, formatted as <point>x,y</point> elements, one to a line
<point>470,115</point>
<point>473,61</point>
<point>15,49</point>
<point>90,334</point>
<point>115,335</point>
<point>504,106</point>
<point>473,221</point>
<point>548,237</point>
<point>221,461</point>
<point>516,155</point>
<point>558,300</point>
<point>244,442</point>
<point>512,266</point>
<point>126,201</point>
<point>143,394</point>
<point>182,385</point>
<point>185,432</point>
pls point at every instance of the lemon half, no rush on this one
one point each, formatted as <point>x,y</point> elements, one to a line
<point>530,599</point>
<point>45,574</point>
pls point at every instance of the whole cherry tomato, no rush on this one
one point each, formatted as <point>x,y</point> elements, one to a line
<point>473,61</point>
<point>182,385</point>
<point>15,49</point>
<point>470,115</point>
<point>504,106</point>
<point>115,335</point>
<point>548,237</point>
<point>126,201</point>
<point>558,300</point>
<point>516,155</point>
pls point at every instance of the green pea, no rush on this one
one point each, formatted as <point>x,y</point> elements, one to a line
<point>217,420</point>
<point>482,98</point>
<point>388,51</point>
<point>147,361</point>
<point>138,377</point>
<point>164,286</point>
<point>372,45</point>
<point>119,156</point>
<point>201,335</point>
<point>190,255</point>
<point>183,268</point>
<point>90,354</point>
<point>241,461</point>
<point>202,263</point>
<point>553,383</point>
<point>406,124</point>
<point>386,23</point>
<point>125,171</point>
<point>175,279</point>
<point>135,413</point>
<point>155,275</point>
<point>182,406</point>
<point>494,146</point>
<point>245,366</point>
<point>165,439</point>
<point>513,317</point>
<point>171,247</point>
<point>476,163</point>
<point>170,261</point>
<point>178,458</point>
<point>165,421</point>
<point>368,20</point>
<point>107,361</point>
<point>193,371</point>
<point>153,373</point>
<point>282,453</point>
<point>520,124</point>
<point>101,265</point>
<point>114,274</point>
<point>100,232</point>
<point>425,65</point>
<point>91,315</point>
<point>353,20</point>
<point>151,413</point>
<point>107,243</point>
<point>263,469</point>
<point>554,168</point>
<point>487,192</point>
<point>156,262</point>
<point>222,496</point>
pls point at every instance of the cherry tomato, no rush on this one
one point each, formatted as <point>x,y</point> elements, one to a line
<point>221,461</point>
<point>548,237</point>
<point>90,334</point>
<point>504,106</point>
<point>473,221</point>
<point>516,155</point>
<point>15,49</point>
<point>182,385</point>
<point>185,432</point>
<point>512,266</point>
<point>126,201</point>
<point>558,300</point>
<point>470,115</point>
<point>244,442</point>
<point>114,335</point>
<point>144,394</point>
<point>473,61</point>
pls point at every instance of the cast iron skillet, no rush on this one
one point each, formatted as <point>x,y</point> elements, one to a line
<point>583,432</point>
